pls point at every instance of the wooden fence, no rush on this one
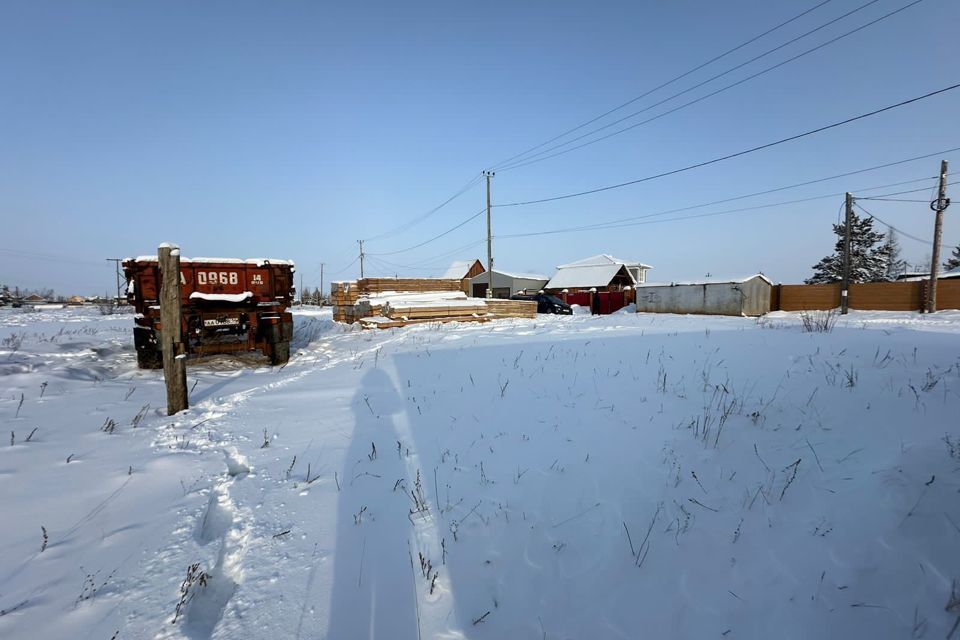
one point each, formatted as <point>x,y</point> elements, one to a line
<point>873,296</point>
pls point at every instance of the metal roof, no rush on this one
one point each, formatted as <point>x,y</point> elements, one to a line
<point>581,277</point>
<point>603,259</point>
<point>458,269</point>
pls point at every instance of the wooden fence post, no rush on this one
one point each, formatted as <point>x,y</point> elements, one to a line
<point>174,355</point>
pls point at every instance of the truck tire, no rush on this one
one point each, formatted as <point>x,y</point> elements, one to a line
<point>280,353</point>
<point>148,351</point>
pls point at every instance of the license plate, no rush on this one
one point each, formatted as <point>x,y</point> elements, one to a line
<point>221,322</point>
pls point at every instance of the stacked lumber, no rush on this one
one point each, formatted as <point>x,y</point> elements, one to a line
<point>397,310</point>
<point>343,297</point>
<point>396,302</point>
<point>357,299</point>
<point>412,285</point>
<point>511,308</point>
<point>344,293</point>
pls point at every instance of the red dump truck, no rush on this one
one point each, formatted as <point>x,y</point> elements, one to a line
<point>228,306</point>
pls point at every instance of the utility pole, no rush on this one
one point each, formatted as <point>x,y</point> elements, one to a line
<point>117,262</point>
<point>301,289</point>
<point>171,345</point>
<point>321,284</point>
<point>939,206</point>
<point>488,175</point>
<point>361,258</point>
<point>845,287</point>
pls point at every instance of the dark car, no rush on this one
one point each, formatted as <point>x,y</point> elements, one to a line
<point>545,303</point>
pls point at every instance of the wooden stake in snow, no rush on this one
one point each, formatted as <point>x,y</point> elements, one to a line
<point>171,345</point>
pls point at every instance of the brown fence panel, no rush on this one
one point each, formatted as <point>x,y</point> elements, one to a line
<point>948,294</point>
<point>869,296</point>
<point>886,296</point>
<point>803,297</point>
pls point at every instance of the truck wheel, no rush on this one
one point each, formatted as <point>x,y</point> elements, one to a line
<point>280,353</point>
<point>148,351</point>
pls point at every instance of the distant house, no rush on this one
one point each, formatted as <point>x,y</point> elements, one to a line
<point>506,284</point>
<point>914,276</point>
<point>601,272</point>
<point>748,296</point>
<point>35,299</point>
<point>463,269</point>
<point>76,301</point>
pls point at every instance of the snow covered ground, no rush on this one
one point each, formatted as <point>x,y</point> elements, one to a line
<point>567,477</point>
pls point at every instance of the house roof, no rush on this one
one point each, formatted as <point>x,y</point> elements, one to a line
<point>603,259</point>
<point>915,276</point>
<point>520,276</point>
<point>459,269</point>
<point>582,277</point>
<point>595,271</point>
<point>710,281</point>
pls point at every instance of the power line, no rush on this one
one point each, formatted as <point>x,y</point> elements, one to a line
<point>614,223</point>
<point>663,85</point>
<point>737,154</point>
<point>818,180</point>
<point>46,256</point>
<point>417,265</point>
<point>900,231</point>
<point>411,223</point>
<point>352,262</point>
<point>534,159</point>
<point>390,266</point>
<point>900,193</point>
<point>436,237</point>
<point>645,219</point>
<point>433,260</point>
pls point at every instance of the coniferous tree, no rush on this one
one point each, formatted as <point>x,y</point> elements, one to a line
<point>954,260</point>
<point>867,263</point>
<point>889,252</point>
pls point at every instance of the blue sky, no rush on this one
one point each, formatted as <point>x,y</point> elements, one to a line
<point>290,130</point>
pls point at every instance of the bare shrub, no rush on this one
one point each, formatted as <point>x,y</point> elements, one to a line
<point>13,342</point>
<point>953,446</point>
<point>196,578</point>
<point>819,321</point>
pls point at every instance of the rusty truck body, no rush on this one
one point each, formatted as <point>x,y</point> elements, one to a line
<point>228,306</point>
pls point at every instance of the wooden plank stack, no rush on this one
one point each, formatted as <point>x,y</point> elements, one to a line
<point>411,285</point>
<point>379,303</point>
<point>419,312</point>
<point>344,297</point>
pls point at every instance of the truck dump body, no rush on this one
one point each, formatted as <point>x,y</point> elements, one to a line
<point>228,306</point>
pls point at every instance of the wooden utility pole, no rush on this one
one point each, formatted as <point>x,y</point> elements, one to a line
<point>939,206</point>
<point>361,258</point>
<point>489,174</point>
<point>117,262</point>
<point>171,345</point>
<point>321,284</point>
<point>845,287</point>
